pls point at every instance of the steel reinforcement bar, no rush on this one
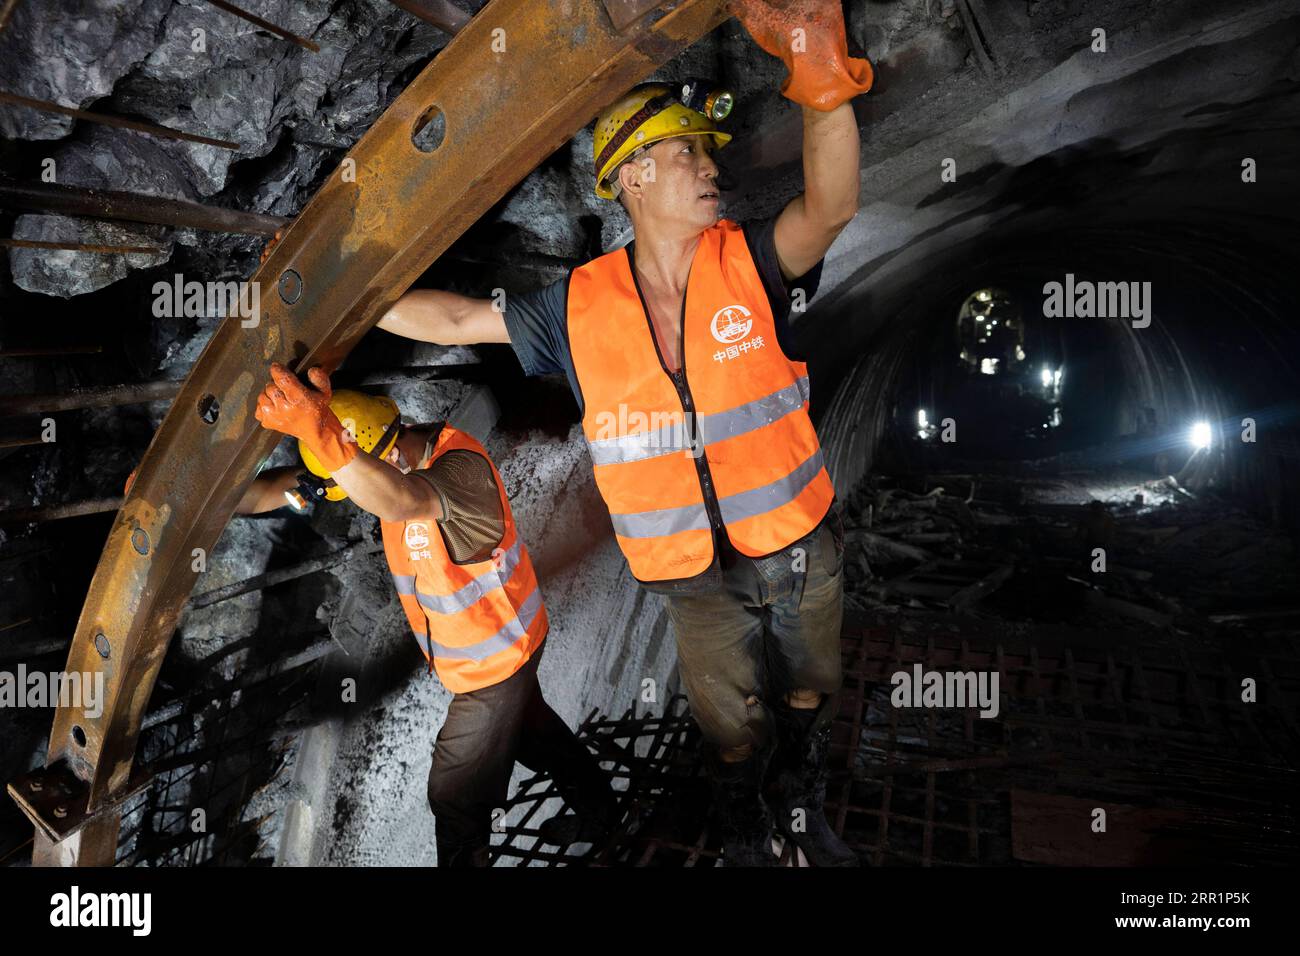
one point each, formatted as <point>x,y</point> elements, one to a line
<point>508,90</point>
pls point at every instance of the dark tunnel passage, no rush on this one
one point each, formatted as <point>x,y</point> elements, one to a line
<point>1217,349</point>
<point>1055,375</point>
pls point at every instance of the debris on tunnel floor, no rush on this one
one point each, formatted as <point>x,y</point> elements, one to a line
<point>1089,550</point>
<point>1145,728</point>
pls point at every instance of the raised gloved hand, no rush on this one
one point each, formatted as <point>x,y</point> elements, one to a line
<point>808,36</point>
<point>286,405</point>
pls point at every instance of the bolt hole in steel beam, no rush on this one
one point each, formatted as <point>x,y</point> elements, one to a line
<point>290,286</point>
<point>429,130</point>
<point>79,736</point>
<point>209,409</point>
<point>360,244</point>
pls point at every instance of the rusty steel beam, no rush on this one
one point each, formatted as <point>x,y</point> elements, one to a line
<point>265,25</point>
<point>133,207</point>
<point>21,442</point>
<point>270,579</point>
<point>96,396</point>
<point>359,244</point>
<point>443,14</point>
<point>77,246</point>
<point>109,396</point>
<point>108,119</point>
<point>73,509</point>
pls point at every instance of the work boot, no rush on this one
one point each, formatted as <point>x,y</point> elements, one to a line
<point>594,818</point>
<point>799,779</point>
<point>742,817</point>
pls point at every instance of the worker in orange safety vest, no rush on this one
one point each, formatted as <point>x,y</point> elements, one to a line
<point>469,590</point>
<point>694,406</point>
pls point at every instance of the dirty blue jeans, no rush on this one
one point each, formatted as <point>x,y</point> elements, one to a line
<point>772,627</point>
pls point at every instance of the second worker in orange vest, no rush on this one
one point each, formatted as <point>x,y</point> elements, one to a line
<point>694,407</point>
<point>467,585</point>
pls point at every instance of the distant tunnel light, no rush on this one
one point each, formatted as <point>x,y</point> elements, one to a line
<point>1201,435</point>
<point>1046,376</point>
<point>923,427</point>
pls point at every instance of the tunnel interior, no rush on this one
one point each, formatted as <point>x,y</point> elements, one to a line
<point>1063,320</point>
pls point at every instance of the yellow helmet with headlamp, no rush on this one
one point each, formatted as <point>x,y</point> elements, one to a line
<point>652,112</point>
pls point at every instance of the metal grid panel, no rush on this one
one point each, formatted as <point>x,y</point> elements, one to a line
<point>217,750</point>
<point>1150,724</point>
<point>927,787</point>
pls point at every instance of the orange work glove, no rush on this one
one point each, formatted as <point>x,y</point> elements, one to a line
<point>808,36</point>
<point>286,405</point>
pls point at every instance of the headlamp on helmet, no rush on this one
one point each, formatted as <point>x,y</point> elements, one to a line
<point>703,97</point>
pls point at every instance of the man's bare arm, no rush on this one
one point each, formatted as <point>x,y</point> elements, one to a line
<point>385,492</point>
<point>810,222</point>
<point>378,488</point>
<point>445,318</point>
<point>266,493</point>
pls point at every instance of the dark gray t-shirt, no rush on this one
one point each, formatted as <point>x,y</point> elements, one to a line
<point>473,523</point>
<point>537,322</point>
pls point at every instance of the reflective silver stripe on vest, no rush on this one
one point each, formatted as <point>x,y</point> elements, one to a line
<point>713,428</point>
<point>720,426</point>
<point>470,593</point>
<point>513,632</point>
<point>757,501</point>
<point>665,521</point>
<point>405,583</point>
<point>640,446</point>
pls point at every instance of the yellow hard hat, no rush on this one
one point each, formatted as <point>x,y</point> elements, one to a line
<point>373,420</point>
<point>645,115</point>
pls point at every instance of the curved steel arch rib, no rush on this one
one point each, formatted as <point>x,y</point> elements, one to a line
<point>510,88</point>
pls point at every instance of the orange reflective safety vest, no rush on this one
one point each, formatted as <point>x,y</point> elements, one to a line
<point>476,623</point>
<point>724,443</point>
